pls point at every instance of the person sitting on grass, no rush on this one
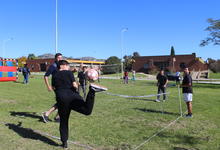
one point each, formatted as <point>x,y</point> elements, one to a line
<point>63,83</point>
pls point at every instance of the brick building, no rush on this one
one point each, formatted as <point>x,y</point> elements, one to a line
<point>41,65</point>
<point>170,63</point>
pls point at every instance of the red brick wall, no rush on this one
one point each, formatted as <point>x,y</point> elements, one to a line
<point>188,60</point>
<point>35,64</point>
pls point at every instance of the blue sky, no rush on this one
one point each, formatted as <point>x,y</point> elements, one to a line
<point>93,27</point>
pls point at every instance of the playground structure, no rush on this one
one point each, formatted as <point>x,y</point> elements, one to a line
<point>8,70</point>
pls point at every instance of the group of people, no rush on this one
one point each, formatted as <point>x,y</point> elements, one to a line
<point>67,96</point>
<point>67,90</point>
<point>186,85</point>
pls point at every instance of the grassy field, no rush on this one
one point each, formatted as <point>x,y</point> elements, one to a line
<point>214,76</point>
<point>115,124</point>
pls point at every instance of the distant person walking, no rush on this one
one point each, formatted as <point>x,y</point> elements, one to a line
<point>161,84</point>
<point>178,78</point>
<point>82,81</point>
<point>26,73</point>
<point>187,91</point>
<point>126,77</point>
<point>133,75</point>
<point>52,70</point>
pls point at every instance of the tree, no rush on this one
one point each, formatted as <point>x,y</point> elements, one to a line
<point>128,62</point>
<point>112,60</point>
<point>31,56</point>
<point>172,51</point>
<point>136,54</point>
<point>214,33</point>
<point>21,61</point>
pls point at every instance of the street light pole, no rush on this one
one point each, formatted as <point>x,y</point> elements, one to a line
<point>3,46</point>
<point>56,38</point>
<point>122,48</point>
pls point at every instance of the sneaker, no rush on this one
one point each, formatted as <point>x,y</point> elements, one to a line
<point>189,116</point>
<point>157,100</point>
<point>97,88</point>
<point>64,145</point>
<point>45,118</point>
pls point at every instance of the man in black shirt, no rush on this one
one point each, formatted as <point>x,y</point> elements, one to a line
<point>161,83</point>
<point>82,81</point>
<point>63,82</point>
<point>187,91</point>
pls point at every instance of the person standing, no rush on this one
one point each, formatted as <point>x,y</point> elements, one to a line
<point>133,75</point>
<point>63,82</point>
<point>26,73</point>
<point>187,91</point>
<point>82,81</point>
<point>162,81</point>
<point>52,70</point>
<point>126,77</point>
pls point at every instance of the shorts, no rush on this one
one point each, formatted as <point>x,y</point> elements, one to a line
<point>187,97</point>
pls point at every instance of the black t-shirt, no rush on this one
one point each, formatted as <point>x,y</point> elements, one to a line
<point>162,79</point>
<point>82,77</point>
<point>63,80</point>
<point>186,81</point>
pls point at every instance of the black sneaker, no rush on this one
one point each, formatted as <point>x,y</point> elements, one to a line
<point>64,145</point>
<point>189,116</point>
<point>97,88</point>
<point>45,118</point>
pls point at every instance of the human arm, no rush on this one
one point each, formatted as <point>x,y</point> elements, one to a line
<point>165,85</point>
<point>46,80</point>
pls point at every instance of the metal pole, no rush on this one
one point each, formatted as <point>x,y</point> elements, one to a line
<point>180,104</point>
<point>122,48</point>
<point>56,40</point>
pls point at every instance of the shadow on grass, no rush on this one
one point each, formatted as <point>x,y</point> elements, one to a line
<point>183,139</point>
<point>156,111</point>
<point>27,114</point>
<point>21,82</point>
<point>29,133</point>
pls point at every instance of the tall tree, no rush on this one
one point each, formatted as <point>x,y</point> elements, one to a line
<point>172,51</point>
<point>214,33</point>
<point>136,54</point>
<point>113,60</point>
<point>31,56</point>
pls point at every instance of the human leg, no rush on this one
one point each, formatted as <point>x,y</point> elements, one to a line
<point>164,92</point>
<point>45,115</point>
<point>189,107</point>
<point>158,92</point>
<point>64,112</point>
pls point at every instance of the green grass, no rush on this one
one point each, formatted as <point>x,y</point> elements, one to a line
<point>115,124</point>
<point>214,75</point>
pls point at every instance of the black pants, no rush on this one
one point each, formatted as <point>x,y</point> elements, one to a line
<point>163,90</point>
<point>68,100</point>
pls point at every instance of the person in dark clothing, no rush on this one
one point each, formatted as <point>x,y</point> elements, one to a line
<point>187,91</point>
<point>52,70</point>
<point>82,81</point>
<point>161,83</point>
<point>63,82</point>
<point>26,73</point>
